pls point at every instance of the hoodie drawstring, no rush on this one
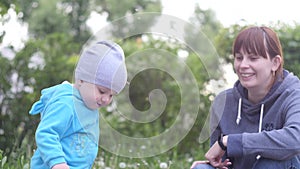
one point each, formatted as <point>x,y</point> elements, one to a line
<point>261,117</point>
<point>260,123</point>
<point>239,117</point>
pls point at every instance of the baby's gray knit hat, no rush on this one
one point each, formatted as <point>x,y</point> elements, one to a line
<point>103,64</point>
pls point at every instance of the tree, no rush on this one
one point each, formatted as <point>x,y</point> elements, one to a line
<point>117,10</point>
<point>58,31</point>
<point>45,18</point>
<point>147,80</point>
<point>205,62</point>
<point>290,41</point>
<point>288,35</point>
<point>202,36</point>
<point>5,97</point>
<point>35,67</point>
<point>67,17</point>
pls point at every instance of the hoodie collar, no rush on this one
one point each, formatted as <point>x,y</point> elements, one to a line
<point>244,105</point>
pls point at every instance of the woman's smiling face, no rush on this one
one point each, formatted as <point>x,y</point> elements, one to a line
<point>253,71</point>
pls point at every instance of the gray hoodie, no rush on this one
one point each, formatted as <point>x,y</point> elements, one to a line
<point>269,129</point>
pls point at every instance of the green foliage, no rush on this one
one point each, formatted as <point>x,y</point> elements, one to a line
<point>60,16</point>
<point>5,5</point>
<point>19,162</point>
<point>45,18</point>
<point>49,58</point>
<point>288,34</point>
<point>33,68</point>
<point>142,84</point>
<point>290,41</point>
<point>202,36</point>
<point>171,159</point>
<point>117,9</point>
<point>58,31</point>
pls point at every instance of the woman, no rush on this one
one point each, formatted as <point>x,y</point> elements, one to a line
<point>256,124</point>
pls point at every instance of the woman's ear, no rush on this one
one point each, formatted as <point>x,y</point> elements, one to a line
<point>276,63</point>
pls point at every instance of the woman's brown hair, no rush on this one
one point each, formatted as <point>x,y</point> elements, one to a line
<point>261,41</point>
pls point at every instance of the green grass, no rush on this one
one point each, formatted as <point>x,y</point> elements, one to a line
<point>105,160</point>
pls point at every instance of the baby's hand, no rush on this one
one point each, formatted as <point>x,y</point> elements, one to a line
<point>195,163</point>
<point>61,166</point>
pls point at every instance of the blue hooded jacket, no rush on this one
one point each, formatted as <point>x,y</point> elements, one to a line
<point>269,129</point>
<point>68,131</point>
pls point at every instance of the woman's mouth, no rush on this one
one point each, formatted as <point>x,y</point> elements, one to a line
<point>246,76</point>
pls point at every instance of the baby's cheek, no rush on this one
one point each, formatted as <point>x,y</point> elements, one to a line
<point>109,101</point>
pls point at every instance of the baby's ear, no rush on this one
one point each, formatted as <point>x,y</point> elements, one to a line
<point>78,83</point>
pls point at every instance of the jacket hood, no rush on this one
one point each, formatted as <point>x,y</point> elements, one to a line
<point>288,83</point>
<point>51,94</point>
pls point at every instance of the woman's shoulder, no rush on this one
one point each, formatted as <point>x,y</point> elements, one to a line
<point>225,93</point>
<point>223,97</point>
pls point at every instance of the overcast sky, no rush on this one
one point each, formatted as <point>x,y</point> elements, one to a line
<point>228,12</point>
<point>233,11</point>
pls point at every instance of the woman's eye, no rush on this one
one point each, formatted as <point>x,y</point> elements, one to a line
<point>253,57</point>
<point>239,58</point>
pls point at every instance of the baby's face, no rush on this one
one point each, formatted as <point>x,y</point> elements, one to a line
<point>95,96</point>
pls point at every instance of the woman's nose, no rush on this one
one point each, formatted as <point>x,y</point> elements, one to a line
<point>244,63</point>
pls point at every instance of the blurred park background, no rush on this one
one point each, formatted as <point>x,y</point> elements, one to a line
<point>56,30</point>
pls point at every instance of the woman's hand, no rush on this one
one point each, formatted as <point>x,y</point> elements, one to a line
<point>214,156</point>
<point>61,166</point>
